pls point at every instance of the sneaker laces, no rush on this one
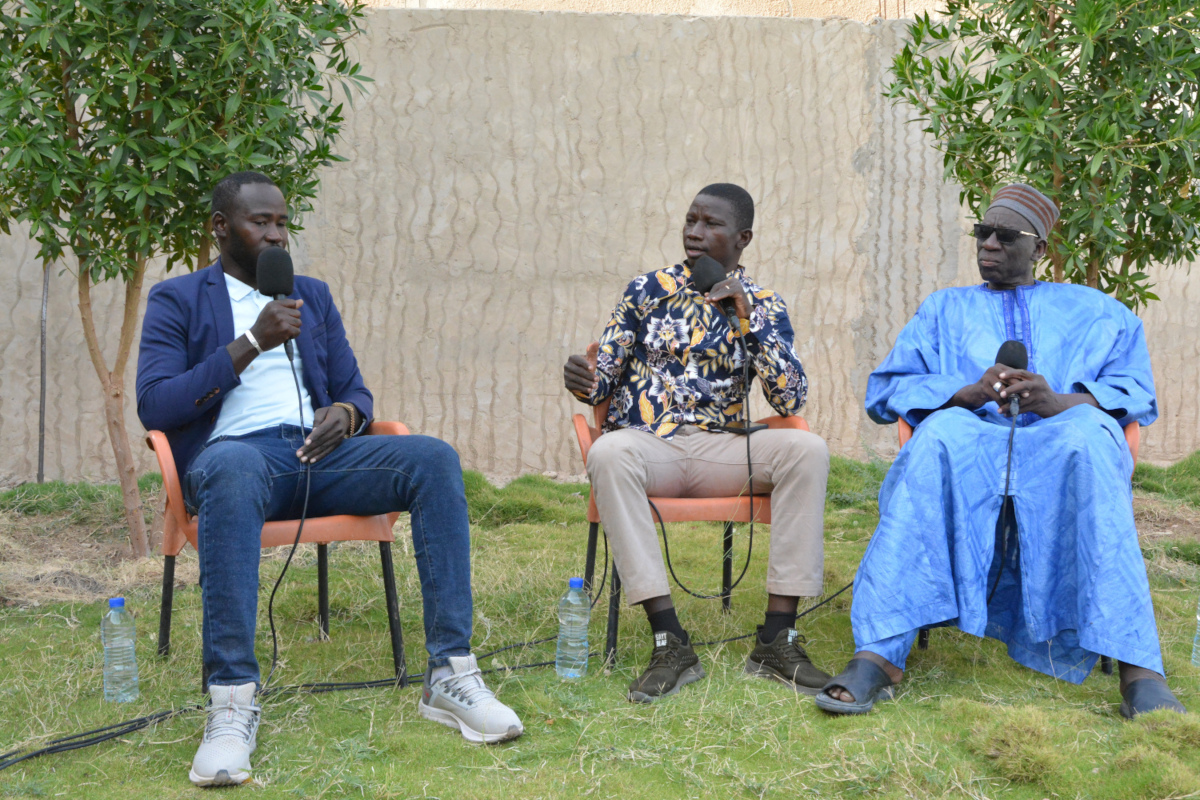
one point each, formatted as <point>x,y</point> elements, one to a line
<point>231,720</point>
<point>467,686</point>
<point>663,656</point>
<point>794,649</point>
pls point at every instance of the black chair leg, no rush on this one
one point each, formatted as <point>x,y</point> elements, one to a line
<point>614,618</point>
<point>923,639</point>
<point>168,599</point>
<point>323,589</point>
<point>589,567</point>
<point>727,567</point>
<point>393,612</point>
<point>1106,665</point>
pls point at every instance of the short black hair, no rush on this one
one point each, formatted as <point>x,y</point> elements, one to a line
<point>736,196</point>
<point>225,193</point>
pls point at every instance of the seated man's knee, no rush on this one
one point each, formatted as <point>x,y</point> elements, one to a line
<point>944,426</point>
<point>611,452</point>
<point>435,455</point>
<point>231,469</point>
<point>230,461</point>
<point>1080,433</point>
<point>803,447</point>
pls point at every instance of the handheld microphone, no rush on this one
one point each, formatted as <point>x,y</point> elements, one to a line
<point>707,272</point>
<point>1013,354</point>
<point>276,279</point>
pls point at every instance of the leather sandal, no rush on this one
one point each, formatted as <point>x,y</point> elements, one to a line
<point>1145,695</point>
<point>864,679</point>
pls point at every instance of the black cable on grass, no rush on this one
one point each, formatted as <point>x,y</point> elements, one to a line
<point>99,735</point>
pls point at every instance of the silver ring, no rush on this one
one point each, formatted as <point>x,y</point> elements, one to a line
<point>996,386</point>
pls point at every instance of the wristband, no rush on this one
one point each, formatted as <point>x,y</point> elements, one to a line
<point>250,338</point>
<point>353,412</point>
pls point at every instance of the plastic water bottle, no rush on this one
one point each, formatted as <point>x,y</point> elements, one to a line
<point>120,661</point>
<point>574,611</point>
<point>1196,641</point>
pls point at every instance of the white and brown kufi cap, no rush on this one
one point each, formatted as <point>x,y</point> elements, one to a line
<point>1030,204</point>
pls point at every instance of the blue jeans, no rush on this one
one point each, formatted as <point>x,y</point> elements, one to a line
<point>238,482</point>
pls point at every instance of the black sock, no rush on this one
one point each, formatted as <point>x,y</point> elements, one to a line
<point>776,621</point>
<point>666,620</point>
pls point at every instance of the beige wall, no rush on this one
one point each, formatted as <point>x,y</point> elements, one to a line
<point>861,10</point>
<point>510,172</point>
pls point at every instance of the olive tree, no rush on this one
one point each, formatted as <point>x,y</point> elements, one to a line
<point>118,116</point>
<point>1092,102</point>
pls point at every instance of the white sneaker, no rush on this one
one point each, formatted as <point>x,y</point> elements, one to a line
<point>229,737</point>
<point>461,700</point>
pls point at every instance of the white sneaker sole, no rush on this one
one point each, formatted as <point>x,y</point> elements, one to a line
<point>450,719</point>
<point>222,778</point>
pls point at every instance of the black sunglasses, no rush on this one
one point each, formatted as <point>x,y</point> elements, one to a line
<point>1003,235</point>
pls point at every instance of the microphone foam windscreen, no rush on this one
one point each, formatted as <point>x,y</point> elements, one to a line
<point>1012,354</point>
<point>707,272</point>
<point>274,271</point>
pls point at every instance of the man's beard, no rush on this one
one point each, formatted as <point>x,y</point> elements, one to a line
<point>241,253</point>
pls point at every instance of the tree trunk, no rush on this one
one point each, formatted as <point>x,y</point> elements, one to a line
<point>205,245</point>
<point>1093,272</point>
<point>113,384</point>
<point>41,472</point>
<point>1056,262</point>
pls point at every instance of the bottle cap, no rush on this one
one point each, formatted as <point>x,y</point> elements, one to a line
<point>116,602</point>
<point>576,583</point>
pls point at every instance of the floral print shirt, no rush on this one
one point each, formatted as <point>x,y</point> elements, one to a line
<point>669,358</point>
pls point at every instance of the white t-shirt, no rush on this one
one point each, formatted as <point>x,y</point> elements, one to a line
<point>267,393</point>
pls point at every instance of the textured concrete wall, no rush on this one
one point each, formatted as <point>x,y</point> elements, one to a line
<point>510,172</point>
<point>861,10</point>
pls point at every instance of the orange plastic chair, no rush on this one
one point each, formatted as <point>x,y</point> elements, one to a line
<point>180,529</point>
<point>1133,437</point>
<point>673,509</point>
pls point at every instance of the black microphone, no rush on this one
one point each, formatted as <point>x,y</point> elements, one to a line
<point>276,279</point>
<point>707,272</point>
<point>1013,354</point>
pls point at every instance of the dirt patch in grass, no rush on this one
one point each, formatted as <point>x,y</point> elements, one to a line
<point>1169,534</point>
<point>1160,519</point>
<point>67,557</point>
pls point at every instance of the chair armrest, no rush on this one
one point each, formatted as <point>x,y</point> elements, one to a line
<point>383,428</point>
<point>157,441</point>
<point>793,422</point>
<point>599,414</point>
<point>1133,437</point>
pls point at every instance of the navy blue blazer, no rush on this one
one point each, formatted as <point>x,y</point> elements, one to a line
<point>184,371</point>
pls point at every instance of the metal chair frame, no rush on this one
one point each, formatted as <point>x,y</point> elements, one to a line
<point>673,509</point>
<point>180,529</point>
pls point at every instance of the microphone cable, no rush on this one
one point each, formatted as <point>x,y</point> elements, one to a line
<point>746,431</point>
<point>299,530</point>
<point>1014,406</point>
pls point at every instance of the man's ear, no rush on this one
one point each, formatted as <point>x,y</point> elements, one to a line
<point>743,238</point>
<point>1039,250</point>
<point>220,225</point>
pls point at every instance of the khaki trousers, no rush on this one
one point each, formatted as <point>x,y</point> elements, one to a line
<point>628,465</point>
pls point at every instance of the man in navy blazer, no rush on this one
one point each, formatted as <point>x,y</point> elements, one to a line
<point>249,428</point>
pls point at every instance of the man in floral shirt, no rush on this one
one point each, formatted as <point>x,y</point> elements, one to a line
<point>672,367</point>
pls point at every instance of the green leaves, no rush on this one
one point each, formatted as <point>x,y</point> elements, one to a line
<point>118,116</point>
<point>1092,102</point>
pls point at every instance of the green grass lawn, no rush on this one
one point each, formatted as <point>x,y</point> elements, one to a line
<point>967,721</point>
